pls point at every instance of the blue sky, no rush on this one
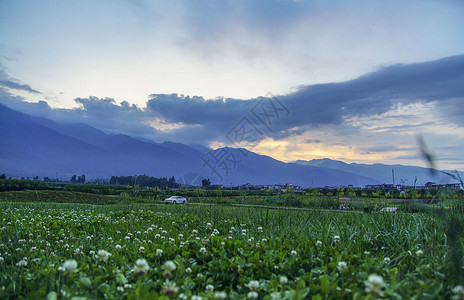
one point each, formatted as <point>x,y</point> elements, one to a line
<point>360,79</point>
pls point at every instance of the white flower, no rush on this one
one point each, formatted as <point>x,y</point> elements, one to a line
<point>103,255</point>
<point>374,285</point>
<point>336,239</point>
<point>159,252</point>
<point>117,247</point>
<point>293,252</point>
<point>199,275</point>
<point>22,263</point>
<point>1,259</point>
<point>387,260</point>
<point>318,243</point>
<point>141,249</point>
<point>419,253</point>
<point>120,289</point>
<point>252,295</point>
<point>209,289</point>
<point>188,270</point>
<point>202,250</point>
<point>127,286</point>
<point>220,295</point>
<point>342,266</point>
<point>170,288</point>
<point>182,296</point>
<point>69,266</point>
<point>141,267</point>
<point>253,285</point>
<point>458,292</point>
<point>283,279</point>
<point>169,266</point>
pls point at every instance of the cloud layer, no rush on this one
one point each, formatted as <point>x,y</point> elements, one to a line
<point>373,117</point>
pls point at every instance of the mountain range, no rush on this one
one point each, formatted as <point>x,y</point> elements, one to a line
<point>31,146</point>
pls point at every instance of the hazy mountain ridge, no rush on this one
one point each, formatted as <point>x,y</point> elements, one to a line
<point>39,147</point>
<point>383,173</point>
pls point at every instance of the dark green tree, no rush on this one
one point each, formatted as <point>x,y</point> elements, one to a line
<point>205,182</point>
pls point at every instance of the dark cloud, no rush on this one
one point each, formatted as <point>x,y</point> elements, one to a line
<point>312,141</point>
<point>324,104</point>
<point>198,120</point>
<point>17,86</point>
<point>11,83</point>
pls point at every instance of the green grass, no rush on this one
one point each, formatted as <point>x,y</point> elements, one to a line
<point>265,245</point>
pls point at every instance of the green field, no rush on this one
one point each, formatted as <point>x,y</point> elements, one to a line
<point>225,251</point>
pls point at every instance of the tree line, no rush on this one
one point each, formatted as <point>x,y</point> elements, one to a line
<point>145,181</point>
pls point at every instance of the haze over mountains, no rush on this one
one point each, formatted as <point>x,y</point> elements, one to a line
<point>32,146</point>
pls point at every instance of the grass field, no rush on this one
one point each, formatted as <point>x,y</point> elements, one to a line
<point>60,250</point>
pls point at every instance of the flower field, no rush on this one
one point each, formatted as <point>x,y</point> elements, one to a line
<point>78,251</point>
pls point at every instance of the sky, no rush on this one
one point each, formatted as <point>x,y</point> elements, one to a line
<point>357,81</point>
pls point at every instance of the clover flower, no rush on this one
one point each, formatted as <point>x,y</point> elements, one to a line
<point>69,266</point>
<point>22,263</point>
<point>209,289</point>
<point>374,285</point>
<point>337,239</point>
<point>387,260</point>
<point>169,266</point>
<point>342,266</point>
<point>252,295</point>
<point>293,252</point>
<point>202,250</point>
<point>318,243</point>
<point>220,295</point>
<point>458,292</point>
<point>159,252</point>
<point>170,288</point>
<point>419,253</point>
<point>103,255</point>
<point>141,267</point>
<point>283,279</point>
<point>253,285</point>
